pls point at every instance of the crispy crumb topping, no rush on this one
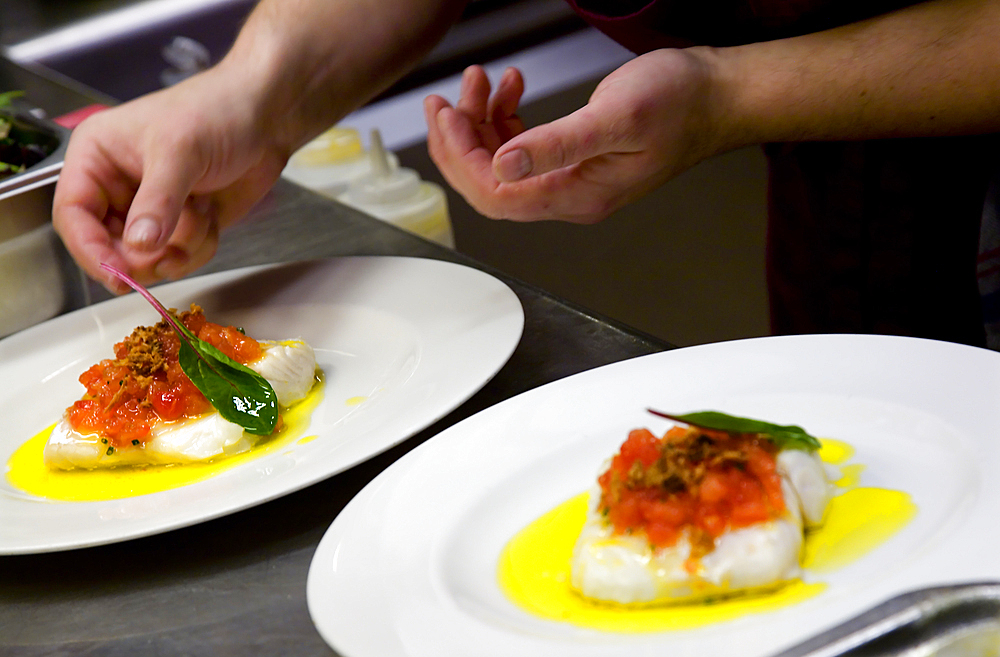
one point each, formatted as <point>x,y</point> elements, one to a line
<point>685,459</point>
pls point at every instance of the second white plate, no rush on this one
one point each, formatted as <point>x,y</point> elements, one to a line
<point>402,341</point>
<point>410,566</point>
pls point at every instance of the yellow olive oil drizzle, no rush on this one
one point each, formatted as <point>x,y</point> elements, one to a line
<point>534,567</point>
<point>27,472</point>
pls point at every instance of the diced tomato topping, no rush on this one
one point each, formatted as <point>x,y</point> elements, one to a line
<point>123,405</point>
<point>660,533</point>
<point>714,488</point>
<point>731,493</point>
<point>231,342</point>
<point>641,446</point>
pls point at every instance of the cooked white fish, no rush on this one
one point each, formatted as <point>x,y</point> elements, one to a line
<point>289,366</point>
<point>626,569</point>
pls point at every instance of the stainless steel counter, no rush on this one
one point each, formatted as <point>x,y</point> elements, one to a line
<point>236,585</point>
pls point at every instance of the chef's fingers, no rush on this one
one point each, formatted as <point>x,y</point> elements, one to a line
<point>198,248</point>
<point>232,203</point>
<point>462,158</point>
<point>474,96</point>
<point>466,164</point>
<point>504,101</point>
<point>432,105</point>
<point>582,135</point>
<point>156,208</point>
<point>583,193</point>
<point>193,227</point>
<point>196,236</point>
<point>502,107</point>
<point>205,250</point>
<point>88,241</point>
<point>85,213</point>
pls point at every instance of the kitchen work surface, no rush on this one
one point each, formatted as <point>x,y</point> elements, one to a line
<point>269,566</point>
<point>237,584</point>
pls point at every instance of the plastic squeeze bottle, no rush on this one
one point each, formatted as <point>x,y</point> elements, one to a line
<point>398,196</point>
<point>330,162</point>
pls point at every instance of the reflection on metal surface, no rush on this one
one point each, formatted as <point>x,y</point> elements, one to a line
<point>111,26</point>
<point>947,621</point>
<point>186,57</point>
<point>977,642</point>
<point>35,282</point>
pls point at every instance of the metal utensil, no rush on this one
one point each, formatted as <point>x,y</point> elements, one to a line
<point>948,620</point>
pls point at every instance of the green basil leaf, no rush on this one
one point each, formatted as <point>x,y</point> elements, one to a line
<point>241,395</point>
<point>788,436</point>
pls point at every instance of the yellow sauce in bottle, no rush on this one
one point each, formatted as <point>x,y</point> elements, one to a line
<point>27,471</point>
<point>534,568</point>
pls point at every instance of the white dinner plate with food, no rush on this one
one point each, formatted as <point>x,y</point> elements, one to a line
<point>410,566</point>
<point>400,342</point>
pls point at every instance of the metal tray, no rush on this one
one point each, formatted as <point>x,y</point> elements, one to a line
<point>38,280</point>
<point>45,172</point>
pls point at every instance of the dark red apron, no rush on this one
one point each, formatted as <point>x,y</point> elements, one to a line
<point>863,237</point>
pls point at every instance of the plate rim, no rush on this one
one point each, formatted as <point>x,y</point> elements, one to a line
<point>318,580</point>
<point>513,313</point>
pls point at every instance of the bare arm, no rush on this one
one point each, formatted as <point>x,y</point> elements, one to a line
<point>931,69</point>
<point>308,63</point>
<point>148,185</point>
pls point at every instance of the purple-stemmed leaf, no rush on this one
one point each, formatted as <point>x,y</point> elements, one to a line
<point>239,394</point>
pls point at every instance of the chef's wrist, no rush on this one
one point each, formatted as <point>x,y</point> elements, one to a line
<point>277,79</point>
<point>729,120</point>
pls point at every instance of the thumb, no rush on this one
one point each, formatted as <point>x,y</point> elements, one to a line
<point>157,204</point>
<point>561,143</point>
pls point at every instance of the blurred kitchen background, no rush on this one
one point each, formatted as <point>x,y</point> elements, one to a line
<point>685,264</point>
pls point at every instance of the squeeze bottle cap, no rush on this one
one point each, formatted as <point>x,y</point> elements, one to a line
<point>384,185</point>
<point>336,145</point>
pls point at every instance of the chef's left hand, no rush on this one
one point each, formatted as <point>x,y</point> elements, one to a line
<point>645,123</point>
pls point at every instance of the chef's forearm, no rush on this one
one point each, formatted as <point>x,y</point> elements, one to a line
<point>307,63</point>
<point>929,70</point>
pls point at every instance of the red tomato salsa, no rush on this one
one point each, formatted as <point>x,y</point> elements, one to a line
<point>696,480</point>
<point>144,383</point>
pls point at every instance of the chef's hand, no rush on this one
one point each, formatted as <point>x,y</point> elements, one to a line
<point>644,124</point>
<point>148,185</point>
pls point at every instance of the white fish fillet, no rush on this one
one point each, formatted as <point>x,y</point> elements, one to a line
<point>289,366</point>
<point>626,570</point>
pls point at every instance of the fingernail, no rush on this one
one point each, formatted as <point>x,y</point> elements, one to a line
<point>513,165</point>
<point>142,232</point>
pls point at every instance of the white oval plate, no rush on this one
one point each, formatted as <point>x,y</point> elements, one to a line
<point>409,566</point>
<point>413,338</point>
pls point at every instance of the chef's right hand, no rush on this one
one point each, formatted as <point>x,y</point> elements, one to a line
<point>148,185</point>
